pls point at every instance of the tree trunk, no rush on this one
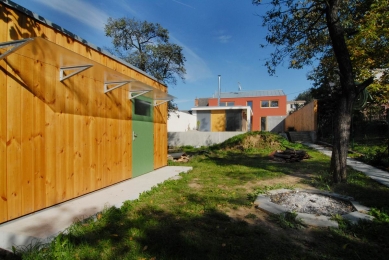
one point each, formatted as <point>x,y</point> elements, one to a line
<point>341,139</point>
<point>347,97</point>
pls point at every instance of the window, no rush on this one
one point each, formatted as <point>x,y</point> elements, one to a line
<point>142,108</point>
<point>269,103</point>
<point>263,123</point>
<point>274,103</point>
<point>250,104</point>
<point>228,103</point>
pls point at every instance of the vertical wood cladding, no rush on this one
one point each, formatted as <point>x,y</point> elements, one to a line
<point>304,119</point>
<point>60,140</point>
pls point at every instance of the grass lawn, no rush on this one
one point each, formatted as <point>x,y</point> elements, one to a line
<point>373,152</point>
<point>209,213</point>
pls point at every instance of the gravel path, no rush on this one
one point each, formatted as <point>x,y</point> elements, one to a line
<point>304,202</point>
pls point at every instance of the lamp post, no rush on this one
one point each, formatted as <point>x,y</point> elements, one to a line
<point>218,100</point>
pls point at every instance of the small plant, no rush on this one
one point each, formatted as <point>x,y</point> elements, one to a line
<point>288,220</point>
<point>379,215</point>
<point>343,223</point>
<point>262,190</point>
<point>322,180</point>
<point>250,216</point>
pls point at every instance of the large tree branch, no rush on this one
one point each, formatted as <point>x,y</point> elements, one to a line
<point>339,46</point>
<point>363,85</point>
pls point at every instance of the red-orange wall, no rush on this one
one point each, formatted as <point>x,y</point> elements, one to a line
<point>258,111</point>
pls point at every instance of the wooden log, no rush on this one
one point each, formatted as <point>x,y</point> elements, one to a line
<point>289,155</point>
<point>285,156</point>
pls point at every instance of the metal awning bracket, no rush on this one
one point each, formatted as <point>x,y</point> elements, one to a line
<point>117,84</point>
<point>159,102</point>
<point>76,70</point>
<point>14,44</point>
<point>137,93</point>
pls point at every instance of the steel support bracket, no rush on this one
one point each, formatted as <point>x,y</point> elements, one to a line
<point>117,84</point>
<point>14,46</point>
<point>159,102</point>
<point>137,93</point>
<point>76,70</point>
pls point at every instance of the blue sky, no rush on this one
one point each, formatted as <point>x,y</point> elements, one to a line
<point>219,37</point>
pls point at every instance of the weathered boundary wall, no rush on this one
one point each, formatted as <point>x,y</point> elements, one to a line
<point>304,119</point>
<point>197,138</point>
<point>275,124</point>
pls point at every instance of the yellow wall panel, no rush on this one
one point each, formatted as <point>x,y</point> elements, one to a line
<point>39,170</point>
<point>14,124</point>
<point>160,145</point>
<point>50,132</point>
<point>27,143</point>
<point>218,121</point>
<point>3,120</point>
<point>3,147</point>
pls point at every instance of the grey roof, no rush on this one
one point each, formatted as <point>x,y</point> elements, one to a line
<point>202,102</point>
<point>252,93</point>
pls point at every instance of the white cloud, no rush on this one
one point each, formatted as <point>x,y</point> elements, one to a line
<point>181,3</point>
<point>84,12</point>
<point>222,36</point>
<point>196,67</point>
<point>126,7</point>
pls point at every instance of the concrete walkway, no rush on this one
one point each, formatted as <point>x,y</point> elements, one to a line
<point>43,225</point>
<point>374,173</point>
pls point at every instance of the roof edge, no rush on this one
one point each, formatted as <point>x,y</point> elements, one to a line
<point>74,36</point>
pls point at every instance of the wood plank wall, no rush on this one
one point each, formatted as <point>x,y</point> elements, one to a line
<point>304,119</point>
<point>218,120</point>
<point>60,140</point>
<point>160,136</point>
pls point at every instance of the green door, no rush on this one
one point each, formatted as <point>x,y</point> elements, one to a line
<point>142,137</point>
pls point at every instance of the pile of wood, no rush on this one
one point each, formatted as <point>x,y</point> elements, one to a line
<point>289,155</point>
<point>178,157</point>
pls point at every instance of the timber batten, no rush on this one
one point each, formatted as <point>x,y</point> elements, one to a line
<point>64,134</point>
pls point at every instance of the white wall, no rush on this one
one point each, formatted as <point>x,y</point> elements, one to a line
<point>294,105</point>
<point>180,122</point>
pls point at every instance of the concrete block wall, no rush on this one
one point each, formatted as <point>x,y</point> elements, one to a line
<point>198,138</point>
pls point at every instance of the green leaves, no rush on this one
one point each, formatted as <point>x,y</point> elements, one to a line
<point>146,46</point>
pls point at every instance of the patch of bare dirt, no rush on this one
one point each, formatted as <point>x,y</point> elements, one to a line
<point>295,180</point>
<point>194,184</point>
<point>255,217</point>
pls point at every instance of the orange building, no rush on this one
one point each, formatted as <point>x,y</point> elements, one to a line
<point>269,107</point>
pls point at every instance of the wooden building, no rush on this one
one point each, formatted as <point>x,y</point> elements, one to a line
<point>73,119</point>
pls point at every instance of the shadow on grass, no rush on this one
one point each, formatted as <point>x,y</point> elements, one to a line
<point>365,190</point>
<point>263,166</point>
<point>152,233</point>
